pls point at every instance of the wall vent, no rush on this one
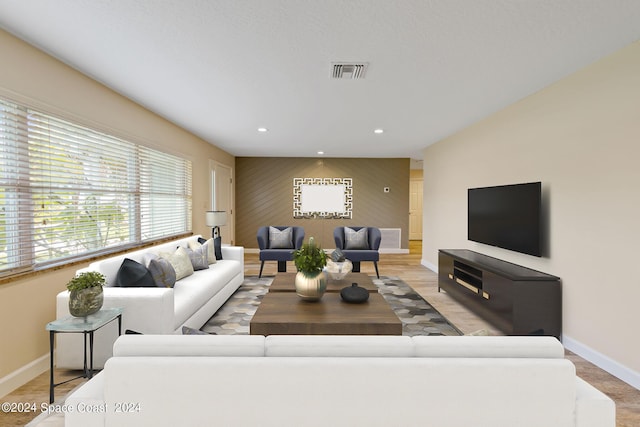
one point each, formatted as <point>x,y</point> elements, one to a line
<point>390,238</point>
<point>348,70</point>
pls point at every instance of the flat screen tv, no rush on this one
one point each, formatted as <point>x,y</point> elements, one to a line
<point>506,216</point>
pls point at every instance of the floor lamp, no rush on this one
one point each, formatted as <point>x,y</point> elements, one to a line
<point>215,219</point>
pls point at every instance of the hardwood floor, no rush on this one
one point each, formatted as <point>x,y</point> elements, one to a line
<point>424,281</point>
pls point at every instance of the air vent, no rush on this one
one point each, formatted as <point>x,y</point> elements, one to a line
<point>348,70</point>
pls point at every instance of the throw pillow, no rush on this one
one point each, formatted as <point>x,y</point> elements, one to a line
<point>198,257</point>
<point>280,239</point>
<point>162,272</point>
<point>132,274</point>
<point>211,254</point>
<point>180,262</point>
<point>356,239</point>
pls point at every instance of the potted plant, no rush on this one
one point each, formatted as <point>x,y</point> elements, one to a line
<point>86,295</point>
<point>311,280</point>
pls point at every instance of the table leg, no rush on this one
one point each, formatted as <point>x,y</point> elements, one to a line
<point>84,369</point>
<point>91,353</point>
<point>120,325</point>
<point>51,334</point>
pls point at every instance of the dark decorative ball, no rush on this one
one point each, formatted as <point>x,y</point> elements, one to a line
<point>354,294</point>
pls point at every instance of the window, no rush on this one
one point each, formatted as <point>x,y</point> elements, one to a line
<point>67,191</point>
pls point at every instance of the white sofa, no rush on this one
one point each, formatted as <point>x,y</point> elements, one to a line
<point>191,302</point>
<point>350,381</point>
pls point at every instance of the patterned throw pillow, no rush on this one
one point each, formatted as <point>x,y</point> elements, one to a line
<point>211,254</point>
<point>280,239</point>
<point>180,262</point>
<point>162,272</point>
<point>198,257</point>
<point>356,239</point>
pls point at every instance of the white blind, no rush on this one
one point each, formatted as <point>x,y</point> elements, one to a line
<point>67,191</point>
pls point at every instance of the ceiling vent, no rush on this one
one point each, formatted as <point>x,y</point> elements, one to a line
<point>348,70</point>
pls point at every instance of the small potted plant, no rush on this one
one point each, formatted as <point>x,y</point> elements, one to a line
<point>311,280</point>
<point>86,294</point>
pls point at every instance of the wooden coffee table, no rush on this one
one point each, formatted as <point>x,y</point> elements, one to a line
<point>284,282</point>
<point>285,313</point>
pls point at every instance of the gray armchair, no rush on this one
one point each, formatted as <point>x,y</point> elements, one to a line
<point>359,244</point>
<point>278,244</point>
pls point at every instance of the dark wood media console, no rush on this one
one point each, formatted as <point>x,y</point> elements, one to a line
<point>516,299</point>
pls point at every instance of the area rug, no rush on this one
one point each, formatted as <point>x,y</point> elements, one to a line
<point>417,315</point>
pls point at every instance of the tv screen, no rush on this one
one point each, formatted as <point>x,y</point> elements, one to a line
<point>506,216</point>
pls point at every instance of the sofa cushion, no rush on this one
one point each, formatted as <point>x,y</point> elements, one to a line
<point>189,345</point>
<point>180,262</point>
<point>280,239</point>
<point>198,257</point>
<point>194,291</point>
<point>132,274</point>
<point>356,239</point>
<point>162,272</point>
<point>338,346</point>
<point>488,347</point>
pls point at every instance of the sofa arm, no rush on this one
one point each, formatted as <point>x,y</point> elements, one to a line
<point>146,310</point>
<point>86,406</point>
<point>593,408</point>
<point>234,252</point>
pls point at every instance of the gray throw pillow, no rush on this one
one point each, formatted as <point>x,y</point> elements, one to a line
<point>199,257</point>
<point>162,272</point>
<point>132,274</point>
<point>356,239</point>
<point>280,239</point>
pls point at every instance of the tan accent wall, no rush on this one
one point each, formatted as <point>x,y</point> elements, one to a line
<point>581,138</point>
<point>33,77</point>
<point>264,195</point>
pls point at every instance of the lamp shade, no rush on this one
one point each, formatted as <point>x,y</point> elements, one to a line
<point>216,218</point>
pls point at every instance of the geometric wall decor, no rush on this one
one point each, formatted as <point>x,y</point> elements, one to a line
<point>322,197</point>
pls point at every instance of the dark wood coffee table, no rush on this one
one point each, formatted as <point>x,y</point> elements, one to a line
<point>285,313</point>
<point>284,282</point>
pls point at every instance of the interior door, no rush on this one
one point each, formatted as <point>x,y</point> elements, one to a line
<point>415,209</point>
<point>222,198</point>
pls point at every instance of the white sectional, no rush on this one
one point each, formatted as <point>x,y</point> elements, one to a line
<point>191,302</point>
<point>339,381</point>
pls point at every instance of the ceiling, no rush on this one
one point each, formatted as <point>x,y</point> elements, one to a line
<point>223,68</point>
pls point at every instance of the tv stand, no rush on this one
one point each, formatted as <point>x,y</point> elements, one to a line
<point>515,299</point>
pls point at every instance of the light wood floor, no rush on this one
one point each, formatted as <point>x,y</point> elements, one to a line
<point>424,281</point>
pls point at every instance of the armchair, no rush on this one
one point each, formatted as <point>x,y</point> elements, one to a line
<point>278,244</point>
<point>359,244</point>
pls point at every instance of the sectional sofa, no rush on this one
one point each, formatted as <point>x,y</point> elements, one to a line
<point>197,380</point>
<point>190,302</point>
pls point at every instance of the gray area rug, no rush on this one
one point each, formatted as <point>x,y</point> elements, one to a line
<point>417,315</point>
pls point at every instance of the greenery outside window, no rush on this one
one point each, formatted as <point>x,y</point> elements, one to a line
<point>67,191</point>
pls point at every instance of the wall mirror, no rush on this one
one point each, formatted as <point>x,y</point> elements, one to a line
<point>322,197</point>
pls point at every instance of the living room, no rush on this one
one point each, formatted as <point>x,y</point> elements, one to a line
<point>578,136</point>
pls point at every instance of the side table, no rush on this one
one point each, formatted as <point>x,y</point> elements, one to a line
<point>87,325</point>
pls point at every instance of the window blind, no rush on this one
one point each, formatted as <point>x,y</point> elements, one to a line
<point>68,191</point>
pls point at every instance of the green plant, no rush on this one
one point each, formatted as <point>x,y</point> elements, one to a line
<point>310,259</point>
<point>87,279</point>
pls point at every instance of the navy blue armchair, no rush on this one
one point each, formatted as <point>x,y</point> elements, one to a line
<point>278,244</point>
<point>359,244</point>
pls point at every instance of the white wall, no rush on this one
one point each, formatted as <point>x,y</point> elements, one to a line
<point>581,138</point>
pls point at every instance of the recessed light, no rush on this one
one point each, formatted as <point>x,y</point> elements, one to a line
<point>378,131</point>
<point>263,130</point>
<point>320,153</point>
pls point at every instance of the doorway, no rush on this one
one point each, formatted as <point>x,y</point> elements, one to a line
<point>222,198</point>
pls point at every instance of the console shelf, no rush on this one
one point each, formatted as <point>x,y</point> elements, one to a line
<point>515,299</point>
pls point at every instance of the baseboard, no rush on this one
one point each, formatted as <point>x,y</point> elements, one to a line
<point>616,369</point>
<point>21,376</point>
<point>430,266</point>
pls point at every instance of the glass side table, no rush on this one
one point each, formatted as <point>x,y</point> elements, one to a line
<point>87,325</point>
